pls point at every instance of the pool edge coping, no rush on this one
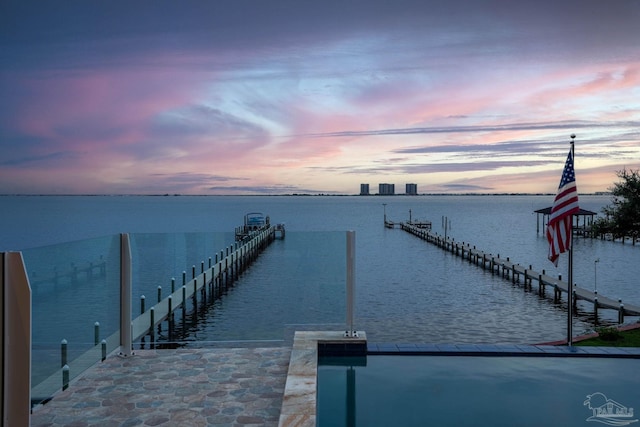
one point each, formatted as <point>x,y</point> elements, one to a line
<point>300,395</point>
<point>506,350</point>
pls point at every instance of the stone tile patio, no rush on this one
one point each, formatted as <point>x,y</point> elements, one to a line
<point>184,387</point>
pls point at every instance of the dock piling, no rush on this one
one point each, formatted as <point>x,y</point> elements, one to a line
<point>621,312</point>
<point>103,346</point>
<point>65,377</point>
<point>63,352</point>
<point>96,333</point>
<point>476,256</point>
<point>152,322</point>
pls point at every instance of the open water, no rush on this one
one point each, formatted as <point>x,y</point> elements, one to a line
<point>406,289</point>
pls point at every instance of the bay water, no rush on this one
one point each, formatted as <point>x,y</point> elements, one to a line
<point>406,289</point>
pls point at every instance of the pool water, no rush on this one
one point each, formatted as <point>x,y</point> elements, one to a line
<point>408,390</point>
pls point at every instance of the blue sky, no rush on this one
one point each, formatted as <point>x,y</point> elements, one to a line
<point>268,97</point>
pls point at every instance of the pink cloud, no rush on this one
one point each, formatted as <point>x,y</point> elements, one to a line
<point>98,105</point>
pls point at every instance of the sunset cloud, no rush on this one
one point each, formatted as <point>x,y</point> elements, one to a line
<point>244,97</point>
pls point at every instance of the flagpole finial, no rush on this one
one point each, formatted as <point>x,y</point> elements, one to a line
<point>573,136</point>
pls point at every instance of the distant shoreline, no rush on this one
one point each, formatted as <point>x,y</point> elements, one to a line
<point>599,193</point>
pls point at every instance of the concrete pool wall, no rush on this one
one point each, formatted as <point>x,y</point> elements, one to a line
<point>299,406</point>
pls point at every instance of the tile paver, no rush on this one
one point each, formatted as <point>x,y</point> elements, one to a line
<point>183,387</point>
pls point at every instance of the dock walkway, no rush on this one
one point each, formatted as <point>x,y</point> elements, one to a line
<point>520,274</point>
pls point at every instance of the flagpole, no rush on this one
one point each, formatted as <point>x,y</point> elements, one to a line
<point>570,284</point>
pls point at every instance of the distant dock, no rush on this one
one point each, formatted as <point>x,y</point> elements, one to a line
<point>423,225</point>
<point>517,273</point>
<point>418,223</point>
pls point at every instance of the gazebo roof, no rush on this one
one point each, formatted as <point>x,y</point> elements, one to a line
<point>547,211</point>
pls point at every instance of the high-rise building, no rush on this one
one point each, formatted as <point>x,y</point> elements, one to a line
<point>411,189</point>
<point>364,189</point>
<point>386,189</point>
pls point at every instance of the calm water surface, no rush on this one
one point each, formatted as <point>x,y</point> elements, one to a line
<point>407,290</point>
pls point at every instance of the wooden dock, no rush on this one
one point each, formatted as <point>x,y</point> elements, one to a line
<point>211,281</point>
<point>520,274</point>
<point>76,272</point>
<point>423,225</point>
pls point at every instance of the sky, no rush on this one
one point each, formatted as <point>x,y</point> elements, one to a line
<point>293,96</point>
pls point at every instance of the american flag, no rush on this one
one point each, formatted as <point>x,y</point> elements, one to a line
<point>564,207</point>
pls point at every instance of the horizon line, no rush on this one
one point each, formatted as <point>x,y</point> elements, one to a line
<point>597,193</point>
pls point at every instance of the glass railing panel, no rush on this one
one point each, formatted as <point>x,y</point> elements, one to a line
<point>159,257</point>
<point>297,283</point>
<point>74,285</point>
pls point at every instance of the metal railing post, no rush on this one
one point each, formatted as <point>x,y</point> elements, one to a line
<point>351,275</point>
<point>125,296</point>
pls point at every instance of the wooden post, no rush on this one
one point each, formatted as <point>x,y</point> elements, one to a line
<point>63,353</point>
<point>621,312</point>
<point>152,322</point>
<point>226,272</point>
<point>96,333</point>
<point>65,377</point>
<point>204,286</point>
<point>540,285</point>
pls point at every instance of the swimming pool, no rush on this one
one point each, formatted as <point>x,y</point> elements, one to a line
<point>411,390</point>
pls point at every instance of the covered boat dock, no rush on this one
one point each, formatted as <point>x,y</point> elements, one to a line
<point>582,221</point>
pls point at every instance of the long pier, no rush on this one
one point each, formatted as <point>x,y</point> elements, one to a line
<point>520,274</point>
<point>219,275</point>
<point>210,282</point>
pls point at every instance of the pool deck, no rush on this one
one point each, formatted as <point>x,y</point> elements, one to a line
<point>235,386</point>
<point>184,387</point>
